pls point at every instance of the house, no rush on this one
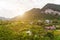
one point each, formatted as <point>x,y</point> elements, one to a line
<point>29,32</point>
<point>50,27</point>
<point>47,21</point>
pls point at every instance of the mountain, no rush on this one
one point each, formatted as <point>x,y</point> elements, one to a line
<point>3,18</point>
<point>54,7</point>
<point>32,14</point>
<point>35,13</point>
<point>29,15</point>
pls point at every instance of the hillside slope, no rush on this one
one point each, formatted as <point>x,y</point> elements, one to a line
<point>35,13</point>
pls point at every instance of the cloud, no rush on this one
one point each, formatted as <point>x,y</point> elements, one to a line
<point>11,8</point>
<point>57,2</point>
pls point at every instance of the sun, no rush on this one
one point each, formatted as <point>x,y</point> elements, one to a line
<point>21,12</point>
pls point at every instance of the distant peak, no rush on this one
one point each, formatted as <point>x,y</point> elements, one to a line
<point>51,4</point>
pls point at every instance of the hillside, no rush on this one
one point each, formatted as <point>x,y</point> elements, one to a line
<point>33,25</point>
<point>35,13</point>
<point>54,7</point>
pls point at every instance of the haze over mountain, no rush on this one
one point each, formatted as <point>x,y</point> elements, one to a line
<point>35,13</point>
<point>3,18</point>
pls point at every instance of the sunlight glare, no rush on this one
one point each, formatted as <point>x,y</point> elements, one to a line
<point>21,12</point>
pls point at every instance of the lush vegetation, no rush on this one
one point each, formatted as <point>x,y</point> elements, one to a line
<point>34,25</point>
<point>27,30</point>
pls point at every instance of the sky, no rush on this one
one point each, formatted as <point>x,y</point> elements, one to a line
<point>12,8</point>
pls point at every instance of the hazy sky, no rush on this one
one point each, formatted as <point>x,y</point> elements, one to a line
<point>11,8</point>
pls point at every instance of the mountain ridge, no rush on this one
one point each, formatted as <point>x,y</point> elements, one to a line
<point>35,13</point>
<point>54,7</point>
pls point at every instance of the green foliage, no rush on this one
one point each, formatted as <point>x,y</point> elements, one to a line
<point>18,30</point>
<point>5,33</point>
